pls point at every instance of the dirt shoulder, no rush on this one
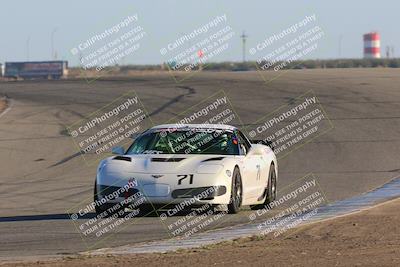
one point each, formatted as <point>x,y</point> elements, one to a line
<point>368,238</point>
<point>3,104</point>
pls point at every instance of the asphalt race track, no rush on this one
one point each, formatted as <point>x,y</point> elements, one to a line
<point>42,175</point>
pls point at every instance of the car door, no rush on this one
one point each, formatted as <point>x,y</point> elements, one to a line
<point>252,171</point>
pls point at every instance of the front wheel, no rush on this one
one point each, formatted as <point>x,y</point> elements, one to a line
<point>100,208</point>
<point>236,193</point>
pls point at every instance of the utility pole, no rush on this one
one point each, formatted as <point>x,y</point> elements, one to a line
<point>81,58</point>
<point>244,37</point>
<point>27,48</point>
<point>340,45</point>
<point>53,54</point>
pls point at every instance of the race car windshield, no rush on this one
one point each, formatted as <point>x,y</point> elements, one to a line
<point>191,141</point>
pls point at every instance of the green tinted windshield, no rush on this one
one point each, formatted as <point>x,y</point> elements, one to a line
<point>191,141</point>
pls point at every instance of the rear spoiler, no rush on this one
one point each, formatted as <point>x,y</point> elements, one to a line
<point>263,142</point>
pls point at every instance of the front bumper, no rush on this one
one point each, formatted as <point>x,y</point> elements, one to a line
<point>148,195</point>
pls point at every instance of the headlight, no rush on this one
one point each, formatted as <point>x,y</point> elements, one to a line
<point>209,168</point>
<point>101,165</point>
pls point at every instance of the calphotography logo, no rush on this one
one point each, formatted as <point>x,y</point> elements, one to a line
<point>291,126</point>
<point>107,48</point>
<point>188,133</point>
<point>111,126</point>
<point>192,51</point>
<point>285,49</point>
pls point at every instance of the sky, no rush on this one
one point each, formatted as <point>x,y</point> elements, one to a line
<point>28,27</point>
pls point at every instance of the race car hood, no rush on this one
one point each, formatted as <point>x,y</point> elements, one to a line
<point>165,164</point>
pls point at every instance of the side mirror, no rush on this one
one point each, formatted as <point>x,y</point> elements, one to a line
<point>118,150</point>
<point>256,149</point>
<point>263,142</point>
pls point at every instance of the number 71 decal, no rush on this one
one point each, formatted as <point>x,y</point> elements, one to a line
<point>183,177</point>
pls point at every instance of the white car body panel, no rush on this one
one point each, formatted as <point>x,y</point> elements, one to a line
<point>158,179</point>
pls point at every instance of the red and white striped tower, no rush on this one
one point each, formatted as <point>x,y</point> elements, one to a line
<point>372,45</point>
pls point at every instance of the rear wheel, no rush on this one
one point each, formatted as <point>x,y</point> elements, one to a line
<point>270,191</point>
<point>236,193</point>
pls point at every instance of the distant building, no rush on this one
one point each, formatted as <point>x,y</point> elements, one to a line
<point>36,69</point>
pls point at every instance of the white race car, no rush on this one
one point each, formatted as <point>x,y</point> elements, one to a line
<point>192,164</point>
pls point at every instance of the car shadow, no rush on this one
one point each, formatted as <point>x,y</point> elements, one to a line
<point>44,217</point>
<point>66,216</point>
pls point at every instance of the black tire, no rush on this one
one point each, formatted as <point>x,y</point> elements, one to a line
<point>147,210</point>
<point>100,208</point>
<point>270,190</point>
<point>236,193</point>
